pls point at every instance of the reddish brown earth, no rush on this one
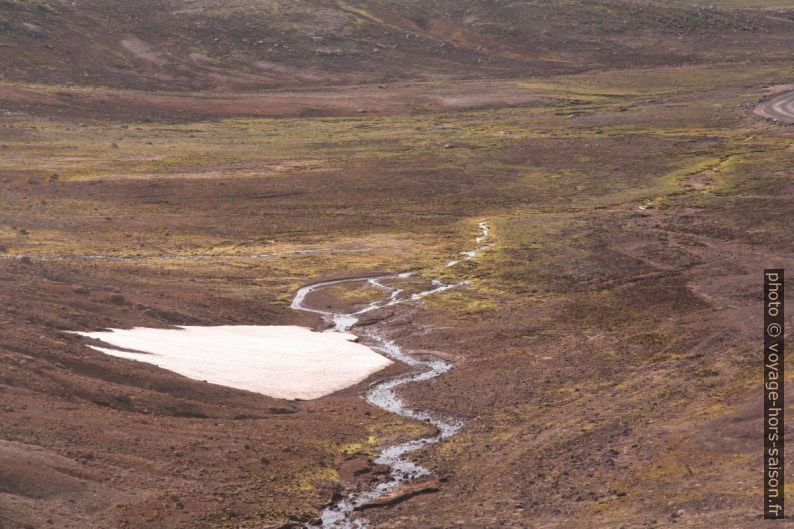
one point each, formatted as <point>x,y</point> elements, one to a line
<point>607,358</point>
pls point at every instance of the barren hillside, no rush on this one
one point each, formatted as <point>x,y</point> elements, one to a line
<point>245,44</point>
<point>560,208</point>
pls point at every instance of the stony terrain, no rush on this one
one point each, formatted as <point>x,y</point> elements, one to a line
<point>194,163</point>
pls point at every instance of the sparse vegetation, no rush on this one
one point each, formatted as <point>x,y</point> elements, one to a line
<point>630,193</point>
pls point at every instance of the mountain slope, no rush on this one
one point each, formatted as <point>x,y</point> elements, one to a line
<point>220,44</point>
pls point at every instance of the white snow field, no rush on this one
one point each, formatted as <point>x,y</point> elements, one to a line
<point>287,362</point>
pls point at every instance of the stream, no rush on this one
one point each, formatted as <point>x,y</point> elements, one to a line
<point>344,514</point>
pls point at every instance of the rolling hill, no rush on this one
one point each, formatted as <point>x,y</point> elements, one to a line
<point>245,44</point>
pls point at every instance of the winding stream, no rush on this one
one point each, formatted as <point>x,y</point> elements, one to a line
<point>342,515</point>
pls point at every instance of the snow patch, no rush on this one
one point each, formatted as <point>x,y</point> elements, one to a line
<point>287,362</point>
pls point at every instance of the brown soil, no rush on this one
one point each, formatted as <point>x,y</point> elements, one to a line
<point>606,357</point>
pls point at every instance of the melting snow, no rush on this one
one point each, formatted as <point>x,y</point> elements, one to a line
<point>287,362</point>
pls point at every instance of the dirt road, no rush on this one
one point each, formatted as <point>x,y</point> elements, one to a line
<point>779,108</point>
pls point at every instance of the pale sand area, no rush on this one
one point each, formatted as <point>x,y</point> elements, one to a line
<point>288,362</point>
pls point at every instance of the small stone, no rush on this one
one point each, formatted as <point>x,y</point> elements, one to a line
<point>117,299</point>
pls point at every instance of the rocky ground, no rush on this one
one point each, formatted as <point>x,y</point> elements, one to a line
<point>606,346</point>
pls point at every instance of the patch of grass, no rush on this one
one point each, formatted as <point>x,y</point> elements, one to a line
<point>463,301</point>
<point>359,11</point>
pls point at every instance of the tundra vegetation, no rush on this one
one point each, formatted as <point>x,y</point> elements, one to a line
<point>605,344</point>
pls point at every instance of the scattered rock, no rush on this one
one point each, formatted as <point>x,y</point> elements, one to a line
<point>117,299</point>
<point>33,29</point>
<point>373,319</point>
<point>166,315</point>
<point>336,495</point>
<point>401,493</point>
<point>381,470</point>
<point>282,411</point>
<point>363,470</point>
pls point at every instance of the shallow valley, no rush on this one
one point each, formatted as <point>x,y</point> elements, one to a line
<point>604,344</point>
